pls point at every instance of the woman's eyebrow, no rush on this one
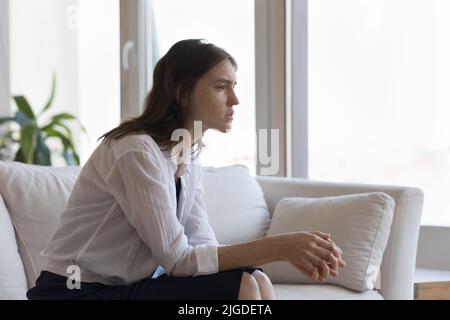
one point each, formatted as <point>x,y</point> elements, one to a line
<point>227,81</point>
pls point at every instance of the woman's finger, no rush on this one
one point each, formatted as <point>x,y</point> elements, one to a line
<point>327,237</point>
<point>325,270</point>
<point>314,259</point>
<point>321,266</point>
<point>307,265</point>
<point>328,257</point>
<point>316,273</point>
<point>304,271</point>
<point>323,235</point>
<point>327,245</point>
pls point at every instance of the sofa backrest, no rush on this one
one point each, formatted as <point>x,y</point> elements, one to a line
<point>35,196</point>
<point>235,204</point>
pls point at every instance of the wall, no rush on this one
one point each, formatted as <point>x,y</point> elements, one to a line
<point>433,251</point>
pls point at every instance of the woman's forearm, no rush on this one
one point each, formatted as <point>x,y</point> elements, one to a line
<point>252,253</point>
<point>309,252</point>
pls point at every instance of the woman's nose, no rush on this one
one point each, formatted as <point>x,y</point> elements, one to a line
<point>233,100</point>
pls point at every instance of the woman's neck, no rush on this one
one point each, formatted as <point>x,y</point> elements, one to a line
<point>180,171</point>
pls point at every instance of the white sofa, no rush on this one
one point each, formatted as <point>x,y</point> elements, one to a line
<point>20,184</point>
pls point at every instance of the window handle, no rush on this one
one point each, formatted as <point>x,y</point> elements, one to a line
<point>127,47</point>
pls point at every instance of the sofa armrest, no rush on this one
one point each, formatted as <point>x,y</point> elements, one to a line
<point>399,259</point>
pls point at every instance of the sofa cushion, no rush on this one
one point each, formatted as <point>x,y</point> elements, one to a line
<point>23,188</point>
<point>13,282</point>
<point>237,210</point>
<point>322,292</point>
<point>358,223</point>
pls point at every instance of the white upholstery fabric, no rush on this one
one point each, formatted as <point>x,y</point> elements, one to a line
<point>35,197</point>
<point>235,203</point>
<point>397,268</point>
<point>13,283</point>
<point>321,292</point>
<point>358,223</point>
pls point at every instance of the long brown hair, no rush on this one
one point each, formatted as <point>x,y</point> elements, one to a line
<point>180,67</point>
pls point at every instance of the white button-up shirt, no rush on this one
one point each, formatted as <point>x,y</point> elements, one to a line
<point>121,222</point>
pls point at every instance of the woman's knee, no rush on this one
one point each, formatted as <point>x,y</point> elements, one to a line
<point>265,285</point>
<point>249,289</point>
<point>261,278</point>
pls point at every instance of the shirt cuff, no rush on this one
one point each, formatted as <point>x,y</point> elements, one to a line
<point>207,259</point>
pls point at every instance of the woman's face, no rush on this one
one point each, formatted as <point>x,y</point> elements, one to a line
<point>213,98</point>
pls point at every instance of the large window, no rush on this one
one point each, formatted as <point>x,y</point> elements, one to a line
<point>230,25</point>
<point>78,40</point>
<point>379,95</point>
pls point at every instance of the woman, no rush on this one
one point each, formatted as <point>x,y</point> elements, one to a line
<point>135,225</point>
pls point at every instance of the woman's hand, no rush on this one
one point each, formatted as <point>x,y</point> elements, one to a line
<point>313,253</point>
<point>340,263</point>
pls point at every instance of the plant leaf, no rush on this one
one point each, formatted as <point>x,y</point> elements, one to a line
<point>52,132</point>
<point>69,153</point>
<point>6,119</point>
<point>66,129</point>
<point>42,152</point>
<point>63,116</point>
<point>28,133</point>
<point>24,106</point>
<point>52,95</point>
<point>6,138</point>
<point>19,156</point>
<point>76,156</point>
<point>67,116</point>
<point>68,156</point>
<point>21,118</point>
<point>53,124</point>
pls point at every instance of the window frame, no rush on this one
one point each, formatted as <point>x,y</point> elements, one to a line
<point>270,75</point>
<point>297,87</point>
<point>133,78</point>
<point>5,91</point>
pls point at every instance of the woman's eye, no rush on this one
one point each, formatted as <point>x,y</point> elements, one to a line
<point>221,88</point>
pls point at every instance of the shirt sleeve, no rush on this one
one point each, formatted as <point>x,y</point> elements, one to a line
<point>198,229</point>
<point>137,182</point>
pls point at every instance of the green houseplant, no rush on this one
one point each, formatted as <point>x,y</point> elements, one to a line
<point>32,138</point>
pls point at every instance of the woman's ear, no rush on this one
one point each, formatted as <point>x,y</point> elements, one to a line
<point>182,97</point>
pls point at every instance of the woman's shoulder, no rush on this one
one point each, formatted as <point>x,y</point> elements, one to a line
<point>134,143</point>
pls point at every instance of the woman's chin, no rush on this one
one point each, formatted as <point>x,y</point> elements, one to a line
<point>228,128</point>
<point>223,130</point>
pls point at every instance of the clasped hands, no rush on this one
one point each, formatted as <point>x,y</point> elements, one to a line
<point>315,254</point>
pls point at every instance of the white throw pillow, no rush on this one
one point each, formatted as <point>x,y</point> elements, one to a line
<point>358,223</point>
<point>13,282</point>
<point>35,196</point>
<point>237,210</point>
